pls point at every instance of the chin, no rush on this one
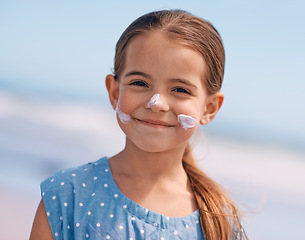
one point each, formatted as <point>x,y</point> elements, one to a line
<point>157,142</point>
<point>156,146</point>
<point>152,148</point>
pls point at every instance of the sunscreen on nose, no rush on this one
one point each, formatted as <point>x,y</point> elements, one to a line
<point>187,121</point>
<point>155,100</point>
<point>125,118</point>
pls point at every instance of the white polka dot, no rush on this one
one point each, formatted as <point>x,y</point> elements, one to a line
<point>107,237</point>
<point>74,191</point>
<point>162,238</point>
<point>115,195</point>
<point>60,218</point>
<point>187,226</point>
<point>142,231</point>
<point>95,178</point>
<point>63,171</point>
<point>133,218</point>
<point>73,174</point>
<point>77,224</point>
<point>121,227</point>
<point>85,169</point>
<point>146,210</point>
<point>56,234</point>
<point>65,204</point>
<point>95,164</point>
<point>81,204</point>
<point>111,215</point>
<point>197,221</point>
<point>155,224</point>
<point>43,193</point>
<point>84,185</point>
<point>89,213</point>
<point>105,185</point>
<point>54,197</point>
<point>52,180</point>
<point>175,232</point>
<point>130,238</point>
<point>102,204</point>
<point>125,206</point>
<point>68,226</point>
<point>48,213</point>
<point>62,183</point>
<point>106,170</point>
<point>87,235</point>
<point>93,194</point>
<point>98,224</point>
<point>167,218</point>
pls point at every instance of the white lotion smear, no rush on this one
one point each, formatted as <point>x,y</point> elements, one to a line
<point>187,121</point>
<point>125,118</point>
<point>155,99</point>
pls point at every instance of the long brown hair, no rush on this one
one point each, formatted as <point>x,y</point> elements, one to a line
<point>220,218</point>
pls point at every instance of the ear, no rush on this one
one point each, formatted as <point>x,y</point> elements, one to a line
<point>113,90</point>
<point>214,103</point>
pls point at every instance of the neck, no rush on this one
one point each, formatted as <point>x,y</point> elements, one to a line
<point>132,161</point>
<point>156,181</point>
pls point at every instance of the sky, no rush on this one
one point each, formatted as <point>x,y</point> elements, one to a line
<point>66,48</point>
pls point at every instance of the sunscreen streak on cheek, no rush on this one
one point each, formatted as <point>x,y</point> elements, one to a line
<point>155,99</point>
<point>187,121</point>
<point>125,118</point>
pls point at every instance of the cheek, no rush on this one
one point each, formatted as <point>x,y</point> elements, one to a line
<point>128,102</point>
<point>185,135</point>
<point>191,109</point>
<point>189,116</point>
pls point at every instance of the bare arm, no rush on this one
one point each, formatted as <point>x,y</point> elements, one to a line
<point>41,229</point>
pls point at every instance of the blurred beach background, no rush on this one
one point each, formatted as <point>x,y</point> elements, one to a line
<point>55,114</point>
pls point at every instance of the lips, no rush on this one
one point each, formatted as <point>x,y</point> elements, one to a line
<point>154,123</point>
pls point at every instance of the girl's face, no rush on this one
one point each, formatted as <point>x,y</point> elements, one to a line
<point>161,79</point>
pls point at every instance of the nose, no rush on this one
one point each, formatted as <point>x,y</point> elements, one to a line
<point>156,103</point>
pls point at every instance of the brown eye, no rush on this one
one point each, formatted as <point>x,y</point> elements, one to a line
<point>181,90</point>
<point>139,83</point>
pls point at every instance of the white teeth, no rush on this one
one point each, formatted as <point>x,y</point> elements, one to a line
<point>155,99</point>
<point>187,121</point>
<point>125,118</point>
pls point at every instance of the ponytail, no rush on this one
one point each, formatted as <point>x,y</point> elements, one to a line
<point>219,216</point>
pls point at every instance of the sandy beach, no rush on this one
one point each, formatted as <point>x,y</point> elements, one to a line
<point>17,213</point>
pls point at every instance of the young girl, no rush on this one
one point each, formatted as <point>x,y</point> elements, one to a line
<point>168,73</point>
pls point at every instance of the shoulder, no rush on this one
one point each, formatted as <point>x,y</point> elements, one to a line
<point>68,180</point>
<point>63,189</point>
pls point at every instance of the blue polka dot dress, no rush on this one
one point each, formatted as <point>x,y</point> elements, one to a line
<point>86,203</point>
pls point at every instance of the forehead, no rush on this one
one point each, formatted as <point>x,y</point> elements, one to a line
<point>155,53</point>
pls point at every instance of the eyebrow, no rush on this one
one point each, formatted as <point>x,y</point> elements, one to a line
<point>184,81</point>
<point>137,73</point>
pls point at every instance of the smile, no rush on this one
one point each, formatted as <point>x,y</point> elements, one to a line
<point>153,123</point>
